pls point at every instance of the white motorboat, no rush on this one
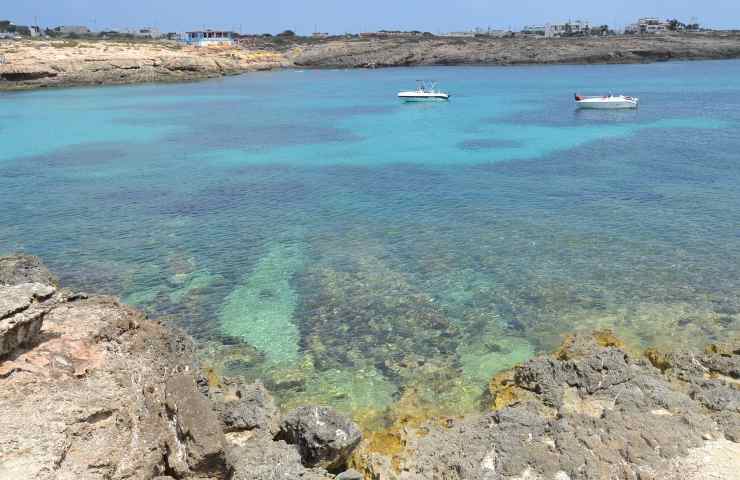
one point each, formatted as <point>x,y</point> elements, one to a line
<point>607,102</point>
<point>425,91</point>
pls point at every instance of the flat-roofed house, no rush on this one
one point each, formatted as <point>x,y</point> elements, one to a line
<point>207,38</point>
<point>652,25</point>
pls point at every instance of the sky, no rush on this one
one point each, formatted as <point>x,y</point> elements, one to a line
<point>340,16</point>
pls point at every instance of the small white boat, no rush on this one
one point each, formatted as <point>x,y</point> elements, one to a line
<point>607,102</point>
<point>425,91</point>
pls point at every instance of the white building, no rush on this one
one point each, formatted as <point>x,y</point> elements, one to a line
<point>579,28</point>
<point>208,38</point>
<point>652,25</point>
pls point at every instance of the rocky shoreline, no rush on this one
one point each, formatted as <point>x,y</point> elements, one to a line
<point>518,51</point>
<point>40,64</point>
<point>92,389</point>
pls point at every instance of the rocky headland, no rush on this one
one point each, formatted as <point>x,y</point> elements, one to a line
<point>92,389</point>
<point>40,63</point>
<point>36,64</point>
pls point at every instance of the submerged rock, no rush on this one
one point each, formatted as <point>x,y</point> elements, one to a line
<point>189,284</point>
<point>323,437</point>
<point>366,312</point>
<point>261,311</point>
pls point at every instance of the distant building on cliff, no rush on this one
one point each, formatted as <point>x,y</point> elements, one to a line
<point>148,32</point>
<point>208,38</point>
<point>9,29</point>
<point>393,33</point>
<point>459,34</point>
<point>534,30</point>
<point>650,25</point>
<point>320,35</point>
<point>72,30</point>
<point>578,28</point>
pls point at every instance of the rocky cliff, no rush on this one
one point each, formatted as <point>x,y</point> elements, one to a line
<point>92,389</point>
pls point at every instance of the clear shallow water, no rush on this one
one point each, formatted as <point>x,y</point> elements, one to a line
<point>311,231</point>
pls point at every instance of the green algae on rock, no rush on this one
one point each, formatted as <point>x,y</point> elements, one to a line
<point>481,361</point>
<point>143,298</point>
<point>190,283</point>
<point>260,311</point>
<point>348,390</point>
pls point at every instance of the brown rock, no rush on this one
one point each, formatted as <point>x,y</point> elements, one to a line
<point>21,268</point>
<point>198,444</point>
<point>21,315</point>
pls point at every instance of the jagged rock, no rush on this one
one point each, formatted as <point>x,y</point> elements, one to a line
<point>264,459</point>
<point>245,407</point>
<point>323,437</point>
<point>21,268</point>
<point>21,315</point>
<point>599,370</point>
<point>350,474</point>
<point>717,395</point>
<point>198,444</point>
<point>87,400</point>
<point>595,414</point>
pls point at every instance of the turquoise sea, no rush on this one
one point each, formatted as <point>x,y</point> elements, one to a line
<point>311,231</point>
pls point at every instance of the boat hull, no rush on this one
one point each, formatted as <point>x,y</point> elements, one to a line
<point>613,103</point>
<point>424,98</point>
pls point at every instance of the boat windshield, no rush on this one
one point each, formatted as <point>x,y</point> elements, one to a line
<point>426,86</point>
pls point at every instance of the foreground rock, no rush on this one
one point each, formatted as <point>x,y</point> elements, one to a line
<point>91,389</point>
<point>21,268</point>
<point>324,438</point>
<point>21,314</point>
<point>245,407</point>
<point>590,412</point>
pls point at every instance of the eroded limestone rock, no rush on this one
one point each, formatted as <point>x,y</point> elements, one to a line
<point>22,268</point>
<point>594,412</point>
<point>22,312</point>
<point>245,407</point>
<point>323,437</point>
<point>198,441</point>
